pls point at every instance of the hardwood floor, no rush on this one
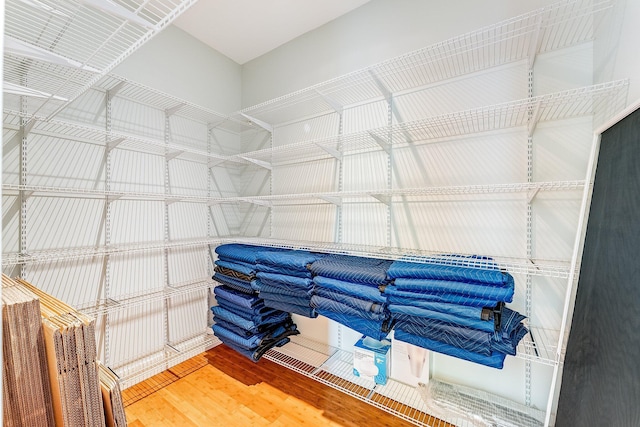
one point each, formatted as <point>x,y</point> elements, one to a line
<point>233,391</point>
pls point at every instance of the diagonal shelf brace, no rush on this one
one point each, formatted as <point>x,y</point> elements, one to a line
<point>260,163</point>
<point>331,199</point>
<point>117,88</point>
<point>172,155</point>
<point>534,45</point>
<point>535,117</point>
<point>258,202</point>
<point>214,162</point>
<point>335,105</point>
<point>384,144</point>
<point>533,195</point>
<point>264,125</point>
<point>382,198</point>
<point>114,143</point>
<point>384,90</point>
<point>332,151</point>
<point>172,110</point>
<point>171,200</point>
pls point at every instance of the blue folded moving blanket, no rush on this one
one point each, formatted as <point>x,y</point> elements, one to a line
<point>305,310</point>
<point>288,299</point>
<point>256,340</point>
<point>232,282</point>
<point>288,259</point>
<point>503,292</point>
<point>284,280</point>
<point>370,328</point>
<point>242,253</point>
<point>442,307</point>
<point>369,293</point>
<point>247,325</point>
<point>495,360</point>
<point>405,312</point>
<point>327,304</point>
<point>443,297</point>
<point>282,289</point>
<point>236,297</point>
<point>456,336</point>
<point>240,267</point>
<point>352,269</point>
<point>237,329</point>
<point>257,353</point>
<point>404,269</point>
<point>349,300</point>
<point>265,268</point>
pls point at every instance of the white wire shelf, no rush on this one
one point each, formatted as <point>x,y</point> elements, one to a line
<point>135,371</point>
<point>559,268</point>
<point>527,113</point>
<point>138,93</point>
<point>387,196</point>
<point>334,368</point>
<point>122,302</point>
<point>67,254</point>
<point>36,190</point>
<point>114,140</point>
<point>537,267</point>
<point>553,27</point>
<point>62,48</point>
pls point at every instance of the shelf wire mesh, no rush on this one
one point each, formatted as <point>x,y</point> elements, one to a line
<point>550,28</point>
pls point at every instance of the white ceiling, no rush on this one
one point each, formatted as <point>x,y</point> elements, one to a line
<point>246,29</point>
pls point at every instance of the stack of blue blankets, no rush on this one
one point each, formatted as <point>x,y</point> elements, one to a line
<point>454,309</point>
<point>284,280</point>
<point>347,290</point>
<point>444,304</point>
<point>242,321</point>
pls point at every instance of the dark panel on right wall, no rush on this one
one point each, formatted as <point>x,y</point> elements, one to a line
<point>601,378</point>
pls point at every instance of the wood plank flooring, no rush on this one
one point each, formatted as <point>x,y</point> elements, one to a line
<point>230,390</point>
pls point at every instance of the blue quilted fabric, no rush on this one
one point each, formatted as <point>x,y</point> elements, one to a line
<point>327,304</point>
<point>283,290</point>
<point>369,271</point>
<point>404,312</point>
<point>443,297</point>
<point>257,353</point>
<point>305,311</point>
<point>464,338</point>
<point>256,340</point>
<point>265,268</point>
<point>354,302</point>
<point>403,269</point>
<point>232,282</point>
<point>239,298</point>
<point>495,360</point>
<point>304,301</point>
<point>477,289</point>
<point>453,309</point>
<point>368,293</point>
<point>242,253</point>
<point>247,325</point>
<point>284,280</point>
<point>378,330</point>
<point>288,259</point>
<point>234,328</point>
<point>241,267</point>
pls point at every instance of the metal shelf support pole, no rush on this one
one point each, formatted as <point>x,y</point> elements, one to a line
<point>528,278</point>
<point>24,136</point>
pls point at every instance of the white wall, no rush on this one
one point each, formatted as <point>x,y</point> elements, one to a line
<point>379,30</point>
<point>178,64</point>
<point>616,47</point>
